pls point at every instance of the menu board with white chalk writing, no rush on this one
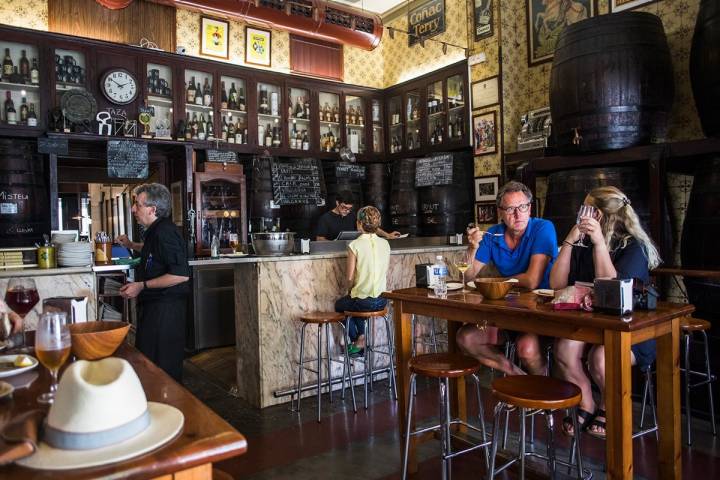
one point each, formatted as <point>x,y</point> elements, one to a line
<point>435,170</point>
<point>297,181</point>
<point>127,159</point>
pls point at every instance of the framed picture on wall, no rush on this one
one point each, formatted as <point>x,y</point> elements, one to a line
<point>214,37</point>
<point>486,212</point>
<point>485,133</point>
<point>620,5</point>
<point>546,19</point>
<point>486,188</point>
<point>258,45</point>
<point>483,19</point>
<point>485,93</point>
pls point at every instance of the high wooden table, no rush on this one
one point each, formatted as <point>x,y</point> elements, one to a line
<point>205,437</point>
<point>525,313</point>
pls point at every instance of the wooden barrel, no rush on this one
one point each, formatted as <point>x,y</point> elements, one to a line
<point>705,66</point>
<point>403,197</point>
<point>262,212</point>
<point>24,196</point>
<point>376,189</point>
<point>612,82</point>
<point>447,209</point>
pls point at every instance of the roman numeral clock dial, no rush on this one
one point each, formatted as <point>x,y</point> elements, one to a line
<point>119,86</point>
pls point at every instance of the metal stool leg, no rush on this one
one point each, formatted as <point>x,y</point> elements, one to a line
<point>495,438</point>
<point>391,356</point>
<point>413,330</point>
<point>347,365</point>
<point>366,362</point>
<point>576,444</point>
<point>298,385</point>
<point>370,342</point>
<point>433,335</point>
<point>521,448</point>
<point>445,428</point>
<point>549,421</point>
<point>709,379</point>
<point>329,366</point>
<point>481,418</point>
<point>319,371</point>
<point>408,426</point>
<point>688,416</point>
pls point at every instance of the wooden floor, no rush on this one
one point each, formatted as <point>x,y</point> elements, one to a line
<point>347,446</point>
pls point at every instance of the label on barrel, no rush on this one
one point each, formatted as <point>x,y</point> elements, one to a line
<point>297,182</point>
<point>349,170</point>
<point>221,156</point>
<point>127,159</point>
<point>435,170</point>
<point>55,145</point>
<point>8,209</point>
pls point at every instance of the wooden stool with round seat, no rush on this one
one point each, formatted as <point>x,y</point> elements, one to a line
<point>371,349</point>
<point>444,366</point>
<point>530,393</point>
<point>322,319</point>
<point>691,326</point>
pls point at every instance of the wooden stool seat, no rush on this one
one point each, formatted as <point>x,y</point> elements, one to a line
<point>321,317</point>
<point>536,392</point>
<point>376,313</point>
<point>692,324</point>
<point>444,365</point>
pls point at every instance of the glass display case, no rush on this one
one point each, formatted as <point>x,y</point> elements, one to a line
<point>456,108</point>
<point>396,125</point>
<point>378,138</point>
<point>355,123</point>
<point>412,119</point>
<point>299,119</point>
<point>199,121</point>
<point>220,207</point>
<point>435,112</point>
<point>329,117</point>
<point>158,95</point>
<point>20,84</point>
<point>233,110</point>
<point>269,99</point>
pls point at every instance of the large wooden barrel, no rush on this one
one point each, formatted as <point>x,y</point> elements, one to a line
<point>376,189</point>
<point>612,82</point>
<point>262,212</point>
<point>24,196</point>
<point>705,66</point>
<point>447,209</point>
<point>403,197</point>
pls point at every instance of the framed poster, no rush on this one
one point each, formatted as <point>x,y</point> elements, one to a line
<point>176,197</point>
<point>485,92</point>
<point>486,212</point>
<point>258,45</point>
<point>425,21</point>
<point>620,5</point>
<point>486,188</point>
<point>546,19</point>
<point>483,19</point>
<point>485,133</point>
<point>214,37</point>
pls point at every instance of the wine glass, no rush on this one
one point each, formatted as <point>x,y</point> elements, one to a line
<point>462,265</point>
<point>52,347</point>
<point>21,296</point>
<point>585,211</point>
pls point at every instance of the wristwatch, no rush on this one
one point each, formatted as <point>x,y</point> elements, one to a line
<point>145,284</point>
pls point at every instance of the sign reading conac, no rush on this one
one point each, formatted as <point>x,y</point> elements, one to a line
<point>426,20</point>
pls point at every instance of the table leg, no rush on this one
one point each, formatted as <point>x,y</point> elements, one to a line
<point>458,397</point>
<point>618,405</point>
<point>668,402</point>
<point>403,345</point>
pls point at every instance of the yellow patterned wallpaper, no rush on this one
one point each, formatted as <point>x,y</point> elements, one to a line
<point>25,13</point>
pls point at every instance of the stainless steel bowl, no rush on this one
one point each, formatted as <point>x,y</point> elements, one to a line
<point>273,243</point>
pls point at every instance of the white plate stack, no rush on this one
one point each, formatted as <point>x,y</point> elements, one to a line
<point>75,254</point>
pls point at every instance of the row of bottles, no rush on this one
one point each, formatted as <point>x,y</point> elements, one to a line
<point>269,136</point>
<point>269,104</point>
<point>329,142</point>
<point>330,114</point>
<point>301,108</point>
<point>26,115</point>
<point>234,100</point>
<point>354,116</point>
<point>224,231</point>
<point>434,105</point>
<point>197,95</point>
<point>22,73</point>
<point>395,144</point>
<point>299,139</point>
<point>197,128</point>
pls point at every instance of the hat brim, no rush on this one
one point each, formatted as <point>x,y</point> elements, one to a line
<point>165,423</point>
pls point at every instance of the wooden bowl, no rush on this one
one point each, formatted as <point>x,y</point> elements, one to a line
<point>96,340</point>
<point>493,288</point>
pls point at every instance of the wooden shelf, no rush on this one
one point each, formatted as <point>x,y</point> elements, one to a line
<point>19,86</point>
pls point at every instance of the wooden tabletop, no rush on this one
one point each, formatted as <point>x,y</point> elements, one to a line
<point>205,437</point>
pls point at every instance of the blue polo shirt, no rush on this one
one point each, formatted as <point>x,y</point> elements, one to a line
<point>539,237</point>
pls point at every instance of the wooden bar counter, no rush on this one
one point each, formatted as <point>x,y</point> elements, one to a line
<point>205,437</point>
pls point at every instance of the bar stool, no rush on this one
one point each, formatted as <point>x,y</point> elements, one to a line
<point>534,392</point>
<point>433,342</point>
<point>371,349</point>
<point>322,319</point>
<point>690,326</point>
<point>444,366</point>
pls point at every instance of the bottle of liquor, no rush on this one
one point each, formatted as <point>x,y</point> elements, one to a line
<point>180,131</point>
<point>34,73</point>
<point>440,133</point>
<point>307,108</point>
<point>299,109</point>
<point>198,94</point>
<point>224,129</point>
<point>231,130</point>
<point>207,94</point>
<point>210,127</point>
<point>188,127</point>
<point>268,136</point>
<point>240,134</point>
<point>223,96</point>
<point>201,128</point>
<point>24,67</point>
<point>191,91</point>
<point>360,118</point>
<point>263,108</point>
<point>194,127</point>
<point>10,113</point>
<point>276,137</point>
<point>293,137</point>
<point>336,113</point>
<point>23,111</point>
<point>430,103</point>
<point>451,128</point>
<point>32,118</point>
<point>16,77</point>
<point>241,99</point>
<point>7,70</point>
<point>305,141</point>
<point>232,97</point>
<point>274,104</point>
<point>244,136</point>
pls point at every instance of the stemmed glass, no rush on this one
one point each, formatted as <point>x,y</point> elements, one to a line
<point>52,347</point>
<point>462,265</point>
<point>21,296</point>
<point>585,211</point>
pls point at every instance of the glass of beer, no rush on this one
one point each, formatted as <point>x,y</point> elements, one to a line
<point>21,297</point>
<point>234,241</point>
<point>52,347</point>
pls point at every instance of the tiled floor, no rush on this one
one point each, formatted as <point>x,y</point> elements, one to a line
<point>366,445</point>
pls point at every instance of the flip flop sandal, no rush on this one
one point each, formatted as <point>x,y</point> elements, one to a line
<point>585,418</point>
<point>599,423</point>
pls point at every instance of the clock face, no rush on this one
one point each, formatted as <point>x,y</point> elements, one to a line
<point>119,86</point>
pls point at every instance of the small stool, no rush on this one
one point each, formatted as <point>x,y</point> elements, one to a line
<point>534,392</point>
<point>689,327</point>
<point>444,366</point>
<point>322,319</point>
<point>371,349</point>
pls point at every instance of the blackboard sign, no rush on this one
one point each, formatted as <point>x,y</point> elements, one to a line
<point>426,20</point>
<point>127,159</point>
<point>56,145</point>
<point>297,182</point>
<point>349,170</point>
<point>222,156</point>
<point>435,170</point>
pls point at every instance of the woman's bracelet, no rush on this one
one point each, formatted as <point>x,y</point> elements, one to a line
<point>565,242</point>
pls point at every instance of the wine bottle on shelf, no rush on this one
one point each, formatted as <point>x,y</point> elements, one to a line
<point>32,117</point>
<point>10,113</point>
<point>240,134</point>
<point>451,128</point>
<point>34,73</point>
<point>16,77</point>
<point>440,134</point>
<point>241,99</point>
<point>24,67</point>
<point>232,97</point>
<point>336,113</point>
<point>207,94</point>
<point>263,108</point>
<point>223,96</point>
<point>201,128</point>
<point>305,141</point>
<point>276,137</point>
<point>293,135</point>
<point>268,136</point>
<point>188,127</point>
<point>307,108</point>
<point>244,136</point>
<point>23,111</point>
<point>194,127</point>
<point>360,118</point>
<point>181,130</point>
<point>210,127</point>
<point>231,130</point>
<point>191,91</point>
<point>7,70</point>
<point>198,95</point>
<point>224,129</point>
<point>299,109</point>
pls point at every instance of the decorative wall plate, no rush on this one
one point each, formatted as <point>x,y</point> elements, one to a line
<point>78,105</point>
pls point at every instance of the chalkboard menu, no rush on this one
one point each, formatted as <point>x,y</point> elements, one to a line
<point>435,170</point>
<point>56,145</point>
<point>349,170</point>
<point>297,182</point>
<point>127,159</point>
<point>222,156</point>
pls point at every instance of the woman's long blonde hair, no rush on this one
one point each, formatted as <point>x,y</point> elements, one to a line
<point>620,223</point>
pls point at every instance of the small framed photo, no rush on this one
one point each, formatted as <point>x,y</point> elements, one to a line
<point>486,212</point>
<point>214,37</point>
<point>620,5</point>
<point>485,93</point>
<point>485,133</point>
<point>486,188</point>
<point>258,45</point>
<point>483,19</point>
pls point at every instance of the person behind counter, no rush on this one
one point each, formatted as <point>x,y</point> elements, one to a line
<point>339,219</point>
<point>162,285</point>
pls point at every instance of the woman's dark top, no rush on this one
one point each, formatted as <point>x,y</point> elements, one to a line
<point>629,262</point>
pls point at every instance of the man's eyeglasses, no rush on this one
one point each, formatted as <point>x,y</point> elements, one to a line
<point>345,207</point>
<point>520,208</point>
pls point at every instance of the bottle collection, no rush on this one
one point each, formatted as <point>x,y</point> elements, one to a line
<point>299,139</point>
<point>300,109</point>
<point>234,99</point>
<point>330,114</point>
<point>225,227</point>
<point>354,116</point>
<point>23,73</point>
<point>269,136</point>
<point>25,115</point>
<point>157,85</point>
<point>268,104</point>
<point>329,142</point>
<point>67,70</point>
<point>199,95</point>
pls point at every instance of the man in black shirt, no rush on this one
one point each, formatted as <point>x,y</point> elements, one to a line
<point>342,219</point>
<point>162,285</point>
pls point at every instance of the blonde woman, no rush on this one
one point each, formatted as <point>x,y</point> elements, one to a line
<point>368,257</point>
<point>610,244</point>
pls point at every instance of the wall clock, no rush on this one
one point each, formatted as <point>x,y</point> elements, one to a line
<point>119,86</point>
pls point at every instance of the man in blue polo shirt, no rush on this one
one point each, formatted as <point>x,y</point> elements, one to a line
<point>520,247</point>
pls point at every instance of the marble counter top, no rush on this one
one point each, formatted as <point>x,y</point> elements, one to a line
<point>41,272</point>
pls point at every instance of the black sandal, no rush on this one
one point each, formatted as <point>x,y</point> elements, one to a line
<point>598,423</point>
<point>586,417</point>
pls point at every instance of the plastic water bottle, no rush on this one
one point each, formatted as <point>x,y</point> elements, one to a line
<point>440,271</point>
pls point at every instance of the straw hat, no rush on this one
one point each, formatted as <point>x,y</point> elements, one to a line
<point>100,416</point>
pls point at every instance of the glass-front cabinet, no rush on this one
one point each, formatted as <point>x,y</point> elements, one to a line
<point>355,123</point>
<point>456,108</point>
<point>435,112</point>
<point>329,118</point>
<point>199,106</point>
<point>378,138</point>
<point>220,207</point>
<point>158,95</point>
<point>396,125</point>
<point>233,110</point>
<point>299,131</point>
<point>413,140</point>
<point>20,84</point>
<point>269,98</point>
